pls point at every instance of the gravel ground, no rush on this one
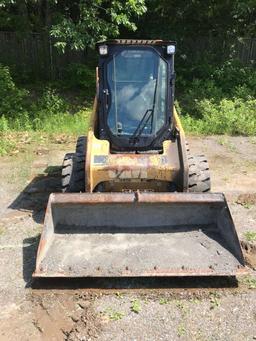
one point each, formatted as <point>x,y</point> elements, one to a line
<point>217,317</point>
<point>165,309</point>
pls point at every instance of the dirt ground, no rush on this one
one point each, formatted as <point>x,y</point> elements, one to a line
<point>130,309</point>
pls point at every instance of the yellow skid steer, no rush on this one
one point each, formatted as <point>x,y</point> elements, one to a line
<point>135,202</point>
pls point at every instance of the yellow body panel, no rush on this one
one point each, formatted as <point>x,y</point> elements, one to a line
<point>124,171</point>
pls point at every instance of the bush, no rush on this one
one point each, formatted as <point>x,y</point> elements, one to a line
<point>66,123</point>
<point>51,102</point>
<point>222,101</point>
<point>4,124</point>
<point>5,145</point>
<point>230,80</point>
<point>229,116</point>
<point>81,76</point>
<point>232,74</point>
<point>12,99</point>
<point>44,112</point>
<point>197,91</point>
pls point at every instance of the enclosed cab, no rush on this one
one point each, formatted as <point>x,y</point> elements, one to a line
<point>136,94</point>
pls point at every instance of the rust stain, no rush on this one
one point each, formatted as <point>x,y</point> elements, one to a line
<point>149,273</point>
<point>176,198</point>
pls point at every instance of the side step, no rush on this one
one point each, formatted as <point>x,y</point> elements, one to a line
<point>138,234</point>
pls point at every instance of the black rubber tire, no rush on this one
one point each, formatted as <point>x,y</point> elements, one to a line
<point>81,145</point>
<point>199,174</point>
<point>73,173</point>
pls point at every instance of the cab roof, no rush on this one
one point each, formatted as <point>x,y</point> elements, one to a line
<point>136,42</point>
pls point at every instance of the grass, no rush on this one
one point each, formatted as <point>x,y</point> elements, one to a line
<point>250,236</point>
<point>66,123</point>
<point>228,116</point>
<point>59,128</point>
<point>181,330</point>
<point>114,315</point>
<point>214,300</point>
<point>249,281</point>
<point>47,115</point>
<point>21,169</point>
<point>223,141</point>
<point>253,139</point>
<point>163,301</point>
<point>135,306</point>
<point>245,204</point>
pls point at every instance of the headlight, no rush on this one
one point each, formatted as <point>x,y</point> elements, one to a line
<point>103,50</point>
<point>171,49</point>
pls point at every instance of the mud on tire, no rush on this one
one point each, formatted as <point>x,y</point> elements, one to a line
<point>199,174</point>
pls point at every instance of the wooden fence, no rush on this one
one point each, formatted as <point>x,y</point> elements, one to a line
<point>243,49</point>
<point>34,55</point>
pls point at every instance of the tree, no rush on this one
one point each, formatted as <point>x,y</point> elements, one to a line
<point>77,24</point>
<point>178,19</point>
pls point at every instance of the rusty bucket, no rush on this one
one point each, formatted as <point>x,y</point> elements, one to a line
<point>138,234</point>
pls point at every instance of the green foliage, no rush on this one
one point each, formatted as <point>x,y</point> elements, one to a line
<point>182,19</point>
<point>81,76</point>
<point>136,306</point>
<point>181,329</point>
<point>5,144</point>
<point>52,102</point>
<point>221,101</point>
<point>249,281</point>
<point>48,112</point>
<point>94,21</point>
<point>163,301</point>
<point>4,125</point>
<point>231,75</point>
<point>214,300</point>
<point>233,117</point>
<point>250,236</point>
<point>114,315</point>
<point>12,99</point>
<point>215,82</point>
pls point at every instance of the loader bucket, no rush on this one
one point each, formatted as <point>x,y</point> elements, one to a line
<point>138,234</point>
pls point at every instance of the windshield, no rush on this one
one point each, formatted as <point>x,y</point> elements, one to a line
<point>137,82</point>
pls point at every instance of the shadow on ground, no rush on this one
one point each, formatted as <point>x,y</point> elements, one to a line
<point>30,246</point>
<point>135,283</point>
<point>35,195</point>
<point>34,199</point>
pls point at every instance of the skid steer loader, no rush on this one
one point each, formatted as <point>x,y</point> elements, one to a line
<point>135,202</point>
